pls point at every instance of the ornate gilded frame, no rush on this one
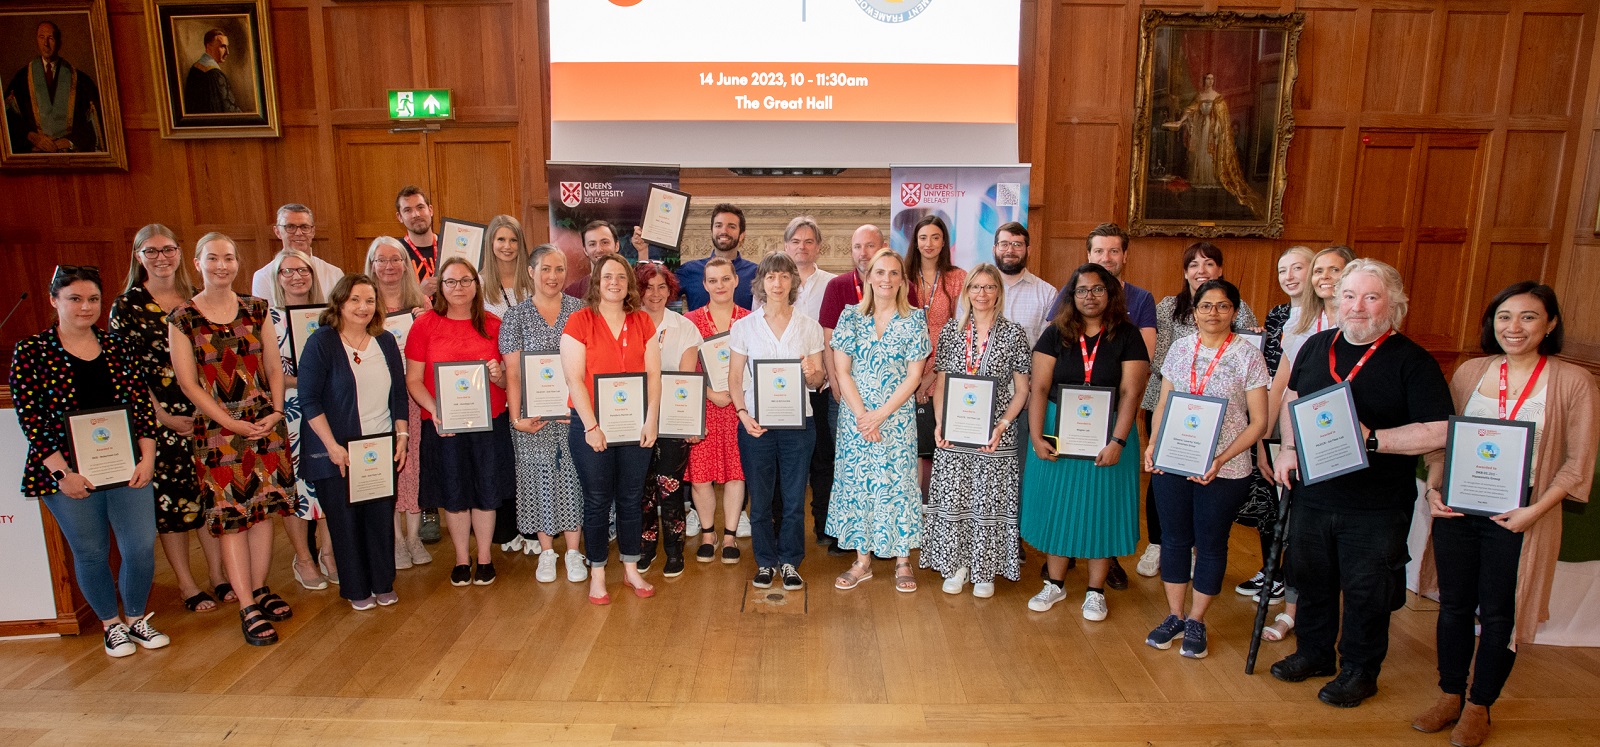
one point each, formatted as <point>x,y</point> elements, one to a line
<point>18,15</point>
<point>1164,214</point>
<point>161,17</point>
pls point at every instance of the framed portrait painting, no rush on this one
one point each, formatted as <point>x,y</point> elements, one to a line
<point>60,106</point>
<point>1213,120</point>
<point>213,68</point>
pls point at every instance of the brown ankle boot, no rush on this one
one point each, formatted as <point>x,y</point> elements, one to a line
<point>1444,712</point>
<point>1473,728</point>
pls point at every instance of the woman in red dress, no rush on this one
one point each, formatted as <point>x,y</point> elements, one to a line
<point>716,458</point>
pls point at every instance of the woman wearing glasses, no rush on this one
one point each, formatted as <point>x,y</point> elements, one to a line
<point>463,474</point>
<point>158,281</point>
<point>389,267</point>
<point>969,527</point>
<point>74,366</point>
<point>225,355</point>
<point>296,284</point>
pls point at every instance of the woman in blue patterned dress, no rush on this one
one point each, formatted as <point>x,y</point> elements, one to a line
<point>878,349</point>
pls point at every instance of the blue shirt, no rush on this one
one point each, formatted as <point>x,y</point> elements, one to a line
<point>1141,305</point>
<point>692,280</point>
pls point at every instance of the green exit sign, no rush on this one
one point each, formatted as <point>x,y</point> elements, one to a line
<point>420,103</point>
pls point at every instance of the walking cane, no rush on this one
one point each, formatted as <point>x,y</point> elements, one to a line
<point>1269,570</point>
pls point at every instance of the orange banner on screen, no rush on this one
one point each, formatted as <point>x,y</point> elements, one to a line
<point>792,92</point>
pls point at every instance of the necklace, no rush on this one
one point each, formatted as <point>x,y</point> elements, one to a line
<point>355,353</point>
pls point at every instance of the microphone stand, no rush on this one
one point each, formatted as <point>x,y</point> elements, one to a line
<point>14,307</point>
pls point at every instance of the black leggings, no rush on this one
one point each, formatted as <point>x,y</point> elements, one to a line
<point>1478,561</point>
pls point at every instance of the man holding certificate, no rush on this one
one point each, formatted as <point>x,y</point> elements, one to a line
<point>1200,458</point>
<point>353,436</point>
<point>1496,562</point>
<point>774,449</point>
<point>1350,530</point>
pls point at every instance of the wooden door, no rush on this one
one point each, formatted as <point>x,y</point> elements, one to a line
<point>1414,203</point>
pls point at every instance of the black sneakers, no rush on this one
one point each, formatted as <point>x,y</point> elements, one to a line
<point>673,568</point>
<point>1297,667</point>
<point>461,575</point>
<point>482,576</point>
<point>763,579</point>
<point>117,642</point>
<point>791,577</point>
<point>1348,689</point>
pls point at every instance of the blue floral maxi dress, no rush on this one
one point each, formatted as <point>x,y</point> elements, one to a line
<point>305,497</point>
<point>877,504</point>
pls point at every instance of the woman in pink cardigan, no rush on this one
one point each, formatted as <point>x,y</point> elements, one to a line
<point>1501,566</point>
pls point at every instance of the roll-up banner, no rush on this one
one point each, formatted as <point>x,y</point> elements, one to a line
<point>972,200</point>
<point>615,192</point>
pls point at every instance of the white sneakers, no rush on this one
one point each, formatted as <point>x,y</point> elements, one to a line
<point>744,526</point>
<point>577,567</point>
<point>546,572</point>
<point>1150,561</point>
<point>1094,606</point>
<point>983,590</point>
<point>402,555</point>
<point>1046,598</point>
<point>691,523</point>
<point>956,582</point>
<point>512,545</point>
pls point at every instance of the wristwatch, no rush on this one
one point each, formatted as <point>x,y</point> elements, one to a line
<point>1372,442</point>
<point>59,475</point>
<point>1120,441</point>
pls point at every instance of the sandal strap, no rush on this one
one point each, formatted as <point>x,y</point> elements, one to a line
<point>263,591</point>
<point>730,533</point>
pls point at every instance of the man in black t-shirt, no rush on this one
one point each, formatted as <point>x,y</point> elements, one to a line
<point>1350,531</point>
<point>412,209</point>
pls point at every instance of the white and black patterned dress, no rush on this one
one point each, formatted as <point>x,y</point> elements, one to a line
<point>549,498</point>
<point>970,520</point>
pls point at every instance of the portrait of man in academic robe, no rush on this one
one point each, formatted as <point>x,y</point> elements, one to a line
<point>51,105</point>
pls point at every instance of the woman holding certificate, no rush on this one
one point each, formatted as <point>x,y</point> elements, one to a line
<point>466,434</point>
<point>295,285</point>
<point>389,266</point>
<point>774,349</point>
<point>1198,511</point>
<point>613,367</point>
<point>158,280</point>
<point>1080,494</point>
<point>665,491</point>
<point>225,356</point>
<point>969,527</point>
<point>1495,566</point>
<point>549,497</point>
<point>353,391</point>
<point>716,458</point>
<point>505,266</point>
<point>84,407</point>
<point>935,287</point>
<point>878,349</point>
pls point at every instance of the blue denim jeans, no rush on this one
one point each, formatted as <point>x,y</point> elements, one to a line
<point>776,467</point>
<point>613,480</point>
<point>1200,517</point>
<point>88,524</point>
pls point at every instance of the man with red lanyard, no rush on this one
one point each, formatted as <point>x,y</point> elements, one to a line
<point>841,291</point>
<point>1350,531</point>
<point>413,211</point>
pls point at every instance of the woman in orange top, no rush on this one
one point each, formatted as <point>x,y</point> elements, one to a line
<point>611,335</point>
<point>935,284</point>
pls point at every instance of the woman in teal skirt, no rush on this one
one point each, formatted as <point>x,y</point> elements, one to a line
<point>1078,507</point>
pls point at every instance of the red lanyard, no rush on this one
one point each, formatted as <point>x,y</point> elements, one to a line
<point>425,265</point>
<point>857,280</point>
<point>1319,320</point>
<point>1089,355</point>
<point>972,344</point>
<point>1199,387</point>
<point>1359,363</point>
<point>1526,389</point>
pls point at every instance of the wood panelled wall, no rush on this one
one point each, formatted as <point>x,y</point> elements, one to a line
<point>1458,140</point>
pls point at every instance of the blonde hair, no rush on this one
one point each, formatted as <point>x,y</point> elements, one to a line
<point>902,302</point>
<point>964,308</point>
<point>1311,305</point>
<point>523,288</point>
<point>410,290</point>
<point>1393,285</point>
<point>313,296</point>
<point>182,280</point>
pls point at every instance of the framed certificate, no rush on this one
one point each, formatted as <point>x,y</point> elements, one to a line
<point>714,358</point>
<point>665,212</point>
<point>1258,339</point>
<point>620,404</point>
<point>371,474</point>
<point>1487,464</point>
<point>102,445</point>
<point>683,405</point>
<point>399,324</point>
<point>1186,438</point>
<point>462,397</point>
<point>968,415</point>
<point>300,322</point>
<point>1327,434</point>
<point>780,394</point>
<point>544,386</point>
<point>459,238</point>
<point>1085,416</point>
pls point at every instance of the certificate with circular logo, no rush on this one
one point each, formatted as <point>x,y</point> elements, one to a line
<point>371,474</point>
<point>1186,438</point>
<point>1327,434</point>
<point>102,445</point>
<point>968,416</point>
<point>620,406</point>
<point>461,397</point>
<point>544,385</point>
<point>1487,465</point>
<point>715,356</point>
<point>1084,418</point>
<point>780,394</point>
<point>683,405</point>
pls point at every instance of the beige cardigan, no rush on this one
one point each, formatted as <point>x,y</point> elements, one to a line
<point>1566,460</point>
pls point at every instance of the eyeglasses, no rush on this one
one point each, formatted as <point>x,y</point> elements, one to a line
<point>985,288</point>
<point>289,272</point>
<point>297,228</point>
<point>88,271</point>
<point>389,261</point>
<point>1098,290</point>
<point>1010,245</point>
<point>454,283</point>
<point>151,252</point>
<point>1214,308</point>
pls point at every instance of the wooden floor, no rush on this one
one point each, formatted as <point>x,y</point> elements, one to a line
<point>711,660</point>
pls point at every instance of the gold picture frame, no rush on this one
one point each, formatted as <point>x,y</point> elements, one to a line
<point>80,124</point>
<point>199,95</point>
<point>1213,120</point>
